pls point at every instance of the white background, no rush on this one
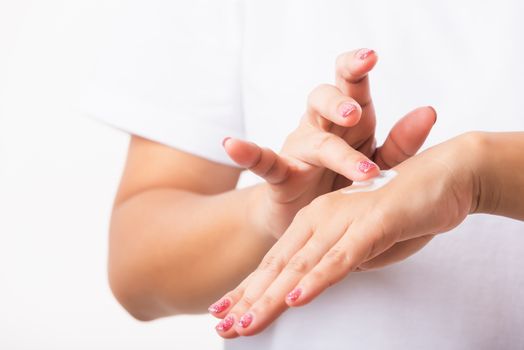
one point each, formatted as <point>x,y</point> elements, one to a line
<point>58,174</point>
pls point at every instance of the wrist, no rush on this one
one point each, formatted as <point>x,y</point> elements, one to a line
<point>257,211</point>
<point>477,148</point>
<point>501,174</point>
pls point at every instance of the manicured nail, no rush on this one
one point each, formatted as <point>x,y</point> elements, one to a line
<point>364,53</point>
<point>294,294</point>
<point>366,166</point>
<point>224,141</point>
<point>219,306</point>
<point>245,320</point>
<point>225,324</point>
<point>346,109</point>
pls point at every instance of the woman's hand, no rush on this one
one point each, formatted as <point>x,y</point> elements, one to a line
<point>334,144</point>
<point>339,233</point>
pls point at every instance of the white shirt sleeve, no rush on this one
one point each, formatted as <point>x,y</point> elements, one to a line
<point>169,71</point>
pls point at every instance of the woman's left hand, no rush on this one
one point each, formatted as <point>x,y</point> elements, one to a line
<point>339,233</point>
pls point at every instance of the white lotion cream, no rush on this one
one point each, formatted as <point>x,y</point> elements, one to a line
<point>372,184</point>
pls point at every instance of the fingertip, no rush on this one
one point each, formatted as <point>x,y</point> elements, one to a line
<point>225,140</point>
<point>354,65</point>
<point>434,112</point>
<point>349,113</point>
<point>293,296</point>
<point>248,324</point>
<point>364,61</point>
<point>220,307</point>
<point>364,53</point>
<point>303,297</point>
<point>422,120</point>
<point>226,327</point>
<point>242,152</point>
<point>367,169</point>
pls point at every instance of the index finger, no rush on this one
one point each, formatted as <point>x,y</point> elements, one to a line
<point>352,70</point>
<point>358,244</point>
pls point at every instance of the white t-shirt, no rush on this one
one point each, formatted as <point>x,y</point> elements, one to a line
<point>189,73</point>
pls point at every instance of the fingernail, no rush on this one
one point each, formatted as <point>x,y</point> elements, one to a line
<point>366,166</point>
<point>225,140</point>
<point>434,112</point>
<point>219,306</point>
<point>225,324</point>
<point>294,294</point>
<point>346,109</point>
<point>364,53</point>
<point>245,320</point>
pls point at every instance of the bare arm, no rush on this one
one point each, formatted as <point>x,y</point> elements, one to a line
<point>433,192</point>
<point>500,188</point>
<point>180,235</point>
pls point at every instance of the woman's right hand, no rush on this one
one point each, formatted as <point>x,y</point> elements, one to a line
<point>333,145</point>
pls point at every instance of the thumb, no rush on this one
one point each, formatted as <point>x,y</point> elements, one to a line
<point>406,137</point>
<point>261,161</point>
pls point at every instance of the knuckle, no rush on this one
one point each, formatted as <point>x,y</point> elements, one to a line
<point>316,275</point>
<point>271,160</point>
<point>312,97</point>
<point>350,156</point>
<point>341,62</point>
<point>257,160</point>
<point>338,257</point>
<point>247,301</point>
<point>298,264</point>
<point>271,263</point>
<point>380,241</point>
<point>323,141</point>
<point>318,278</point>
<point>266,301</point>
<point>303,214</point>
<point>235,294</point>
<point>319,203</point>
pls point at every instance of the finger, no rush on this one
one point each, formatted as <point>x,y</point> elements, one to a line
<point>261,161</point>
<point>220,307</point>
<point>398,252</point>
<point>326,104</point>
<point>356,245</point>
<point>271,303</point>
<point>406,137</point>
<point>273,262</point>
<point>367,148</point>
<point>352,79</point>
<point>332,152</point>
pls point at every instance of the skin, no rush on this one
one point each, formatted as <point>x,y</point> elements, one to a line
<point>174,228</point>
<point>433,193</point>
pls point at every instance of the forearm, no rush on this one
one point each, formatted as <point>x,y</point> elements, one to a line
<point>501,174</point>
<point>174,251</point>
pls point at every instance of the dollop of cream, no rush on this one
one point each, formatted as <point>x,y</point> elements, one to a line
<point>372,184</point>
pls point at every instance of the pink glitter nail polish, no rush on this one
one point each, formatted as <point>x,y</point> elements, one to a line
<point>364,53</point>
<point>294,294</point>
<point>346,109</point>
<point>219,306</point>
<point>225,324</point>
<point>245,320</point>
<point>366,166</point>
